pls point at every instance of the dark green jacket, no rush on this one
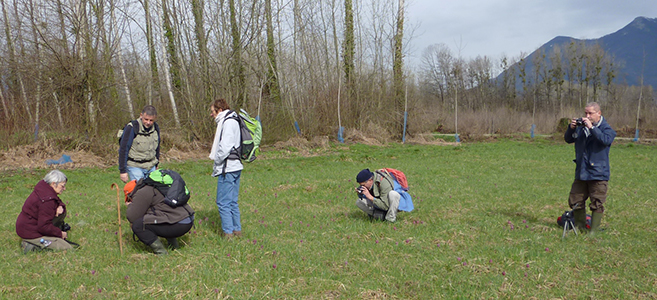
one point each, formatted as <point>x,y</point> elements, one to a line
<point>147,202</point>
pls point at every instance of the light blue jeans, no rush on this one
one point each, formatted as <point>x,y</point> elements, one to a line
<point>228,187</point>
<point>138,173</point>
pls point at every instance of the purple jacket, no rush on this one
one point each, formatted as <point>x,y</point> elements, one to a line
<point>35,219</point>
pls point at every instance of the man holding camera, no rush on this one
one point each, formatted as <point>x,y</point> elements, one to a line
<point>376,194</point>
<point>592,136</point>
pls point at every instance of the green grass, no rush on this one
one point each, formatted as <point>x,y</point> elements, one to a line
<point>298,215</point>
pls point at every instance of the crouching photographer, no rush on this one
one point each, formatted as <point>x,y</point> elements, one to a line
<point>151,217</point>
<point>376,196</point>
<point>41,221</point>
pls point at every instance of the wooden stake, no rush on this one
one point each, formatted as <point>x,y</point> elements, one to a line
<point>118,209</point>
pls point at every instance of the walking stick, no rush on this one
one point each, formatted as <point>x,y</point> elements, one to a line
<point>118,209</point>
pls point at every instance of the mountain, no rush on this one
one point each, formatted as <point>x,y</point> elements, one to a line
<point>626,45</point>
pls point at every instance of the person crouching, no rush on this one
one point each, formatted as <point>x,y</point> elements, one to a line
<point>150,217</point>
<point>376,194</point>
<point>40,223</point>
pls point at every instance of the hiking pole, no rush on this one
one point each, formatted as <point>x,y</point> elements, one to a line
<point>118,209</point>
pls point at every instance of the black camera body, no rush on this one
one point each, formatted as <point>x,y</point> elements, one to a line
<point>65,227</point>
<point>579,122</point>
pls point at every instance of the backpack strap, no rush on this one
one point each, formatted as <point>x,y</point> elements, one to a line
<point>380,172</point>
<point>234,154</point>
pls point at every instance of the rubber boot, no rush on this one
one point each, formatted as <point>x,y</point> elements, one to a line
<point>173,243</point>
<point>158,248</point>
<point>596,219</point>
<point>579,216</point>
<point>28,247</point>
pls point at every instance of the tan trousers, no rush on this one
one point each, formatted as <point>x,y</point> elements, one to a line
<point>55,243</point>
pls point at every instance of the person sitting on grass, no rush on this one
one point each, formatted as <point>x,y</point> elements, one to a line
<point>376,194</point>
<point>41,221</point>
<point>150,217</point>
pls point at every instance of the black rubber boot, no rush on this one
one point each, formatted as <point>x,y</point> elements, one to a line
<point>579,216</point>
<point>158,248</point>
<point>596,219</point>
<point>173,243</point>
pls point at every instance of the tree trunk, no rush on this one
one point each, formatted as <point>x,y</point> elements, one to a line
<point>167,76</point>
<point>15,76</point>
<point>397,66</point>
<point>172,55</point>
<point>273,89</point>
<point>154,83</point>
<point>238,64</point>
<point>202,44</point>
<point>348,46</point>
<point>58,107</point>
<point>5,109</point>
<point>39,62</point>
<point>119,52</point>
<point>62,27</point>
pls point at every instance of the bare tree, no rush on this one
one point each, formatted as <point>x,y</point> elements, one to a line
<point>202,45</point>
<point>398,64</point>
<point>119,52</point>
<point>436,66</point>
<point>37,48</point>
<point>16,74</point>
<point>154,83</point>
<point>167,74</point>
<point>272,87</point>
<point>348,49</point>
<point>557,75</point>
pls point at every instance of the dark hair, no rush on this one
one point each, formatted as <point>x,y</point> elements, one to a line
<point>220,104</point>
<point>149,110</point>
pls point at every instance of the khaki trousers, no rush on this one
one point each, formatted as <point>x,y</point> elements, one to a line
<point>55,243</point>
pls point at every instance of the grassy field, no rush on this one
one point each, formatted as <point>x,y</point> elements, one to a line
<point>484,227</point>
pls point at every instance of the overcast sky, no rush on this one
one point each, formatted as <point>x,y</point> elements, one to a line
<point>496,27</point>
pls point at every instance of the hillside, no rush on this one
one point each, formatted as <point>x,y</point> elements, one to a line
<point>626,45</point>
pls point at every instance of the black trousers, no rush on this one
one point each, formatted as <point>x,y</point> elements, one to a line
<point>148,233</point>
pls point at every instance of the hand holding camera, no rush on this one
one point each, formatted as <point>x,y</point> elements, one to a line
<point>580,122</point>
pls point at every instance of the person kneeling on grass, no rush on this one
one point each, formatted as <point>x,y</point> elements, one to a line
<point>376,195</point>
<point>150,217</point>
<point>41,221</point>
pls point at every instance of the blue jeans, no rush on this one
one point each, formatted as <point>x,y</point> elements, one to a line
<point>228,187</point>
<point>138,173</point>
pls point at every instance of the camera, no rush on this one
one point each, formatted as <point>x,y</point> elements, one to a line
<point>65,227</point>
<point>360,189</point>
<point>579,122</point>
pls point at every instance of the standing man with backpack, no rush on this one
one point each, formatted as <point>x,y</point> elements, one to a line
<point>139,150</point>
<point>227,167</point>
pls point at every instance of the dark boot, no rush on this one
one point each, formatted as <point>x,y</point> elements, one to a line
<point>173,243</point>
<point>29,247</point>
<point>579,216</point>
<point>596,219</point>
<point>158,248</point>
